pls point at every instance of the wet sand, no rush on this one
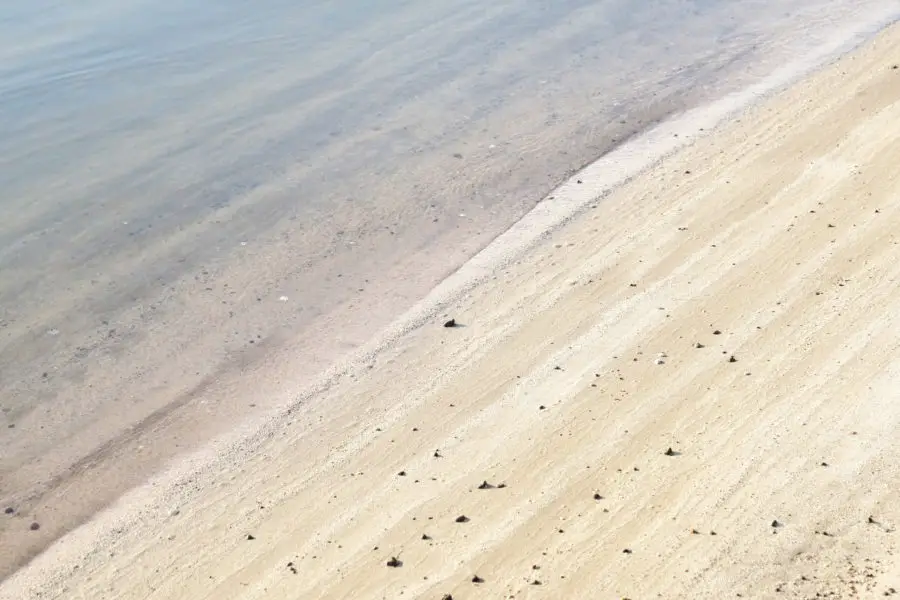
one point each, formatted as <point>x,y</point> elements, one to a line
<point>189,239</point>
<point>688,391</point>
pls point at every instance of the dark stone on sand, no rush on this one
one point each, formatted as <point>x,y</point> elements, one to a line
<point>450,323</point>
<point>402,473</point>
<point>542,407</point>
<point>824,464</point>
<point>250,536</point>
<point>447,597</point>
<point>394,562</point>
<point>477,579</point>
<point>425,536</point>
<point>501,486</point>
<point>9,510</point>
<point>699,345</point>
<point>598,497</point>
<point>462,519</point>
<point>695,532</point>
<point>437,454</point>
<point>626,551</point>
<point>717,332</point>
<point>536,582</point>
<point>35,526</point>
<point>670,452</point>
<point>732,359</point>
<point>713,533</point>
<point>872,520</point>
<point>776,523</point>
<point>485,486</point>
<point>579,181</point>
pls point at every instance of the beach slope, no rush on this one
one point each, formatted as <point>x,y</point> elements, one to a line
<point>690,391</point>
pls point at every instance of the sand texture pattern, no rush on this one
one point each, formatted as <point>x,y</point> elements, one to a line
<point>690,391</point>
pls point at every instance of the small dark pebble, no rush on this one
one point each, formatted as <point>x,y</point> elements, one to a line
<point>732,359</point>
<point>717,332</point>
<point>250,536</point>
<point>35,526</point>
<point>713,533</point>
<point>447,597</point>
<point>542,407</point>
<point>425,536</point>
<point>699,345</point>
<point>462,519</point>
<point>501,486</point>
<point>9,510</point>
<point>450,323</point>
<point>670,452</point>
<point>394,562</point>
<point>598,497</point>
<point>477,579</point>
<point>626,551</point>
<point>484,485</point>
<point>872,520</point>
<point>579,181</point>
<point>776,523</point>
<point>536,582</point>
<point>402,473</point>
<point>695,532</point>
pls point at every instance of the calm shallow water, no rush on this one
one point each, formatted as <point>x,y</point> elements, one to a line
<point>187,187</point>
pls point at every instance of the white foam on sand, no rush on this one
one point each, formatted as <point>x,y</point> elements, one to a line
<point>167,489</point>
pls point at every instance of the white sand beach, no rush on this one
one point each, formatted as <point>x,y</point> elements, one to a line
<point>690,390</point>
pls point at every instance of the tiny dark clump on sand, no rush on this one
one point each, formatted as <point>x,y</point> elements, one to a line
<point>732,359</point>
<point>484,485</point>
<point>35,526</point>
<point>462,519</point>
<point>598,497</point>
<point>9,510</point>
<point>477,579</point>
<point>670,452</point>
<point>626,551</point>
<point>776,523</point>
<point>394,562</point>
<point>450,323</point>
<point>250,537</point>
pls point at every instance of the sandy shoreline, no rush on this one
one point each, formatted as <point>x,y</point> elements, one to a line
<point>779,231</point>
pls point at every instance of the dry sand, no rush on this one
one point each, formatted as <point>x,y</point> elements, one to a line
<point>773,240</point>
